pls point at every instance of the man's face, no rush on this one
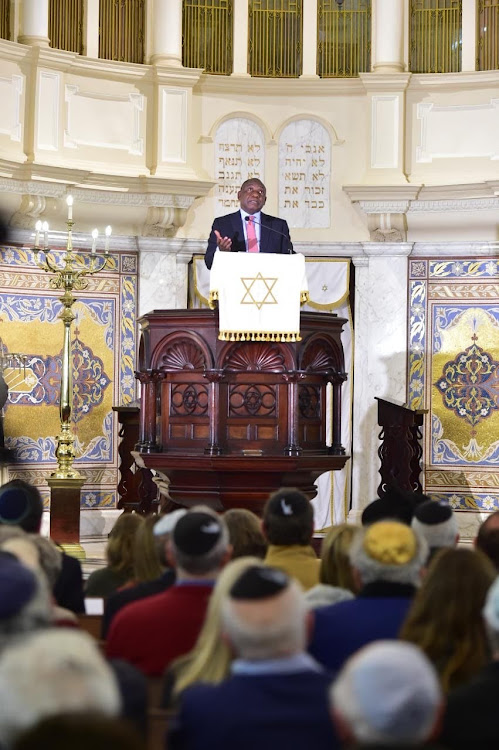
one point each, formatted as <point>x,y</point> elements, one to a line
<point>252,197</point>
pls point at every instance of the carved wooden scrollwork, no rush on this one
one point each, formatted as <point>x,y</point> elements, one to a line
<point>251,357</point>
<point>183,354</point>
<point>320,356</point>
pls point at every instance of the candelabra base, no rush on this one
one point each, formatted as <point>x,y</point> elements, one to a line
<point>65,511</point>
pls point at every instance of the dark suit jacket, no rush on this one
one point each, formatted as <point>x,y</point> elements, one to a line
<point>274,235</point>
<point>340,629</point>
<point>249,712</point>
<point>470,719</point>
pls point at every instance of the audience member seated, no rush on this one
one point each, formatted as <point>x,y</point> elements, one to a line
<point>24,601</point>
<point>151,633</point>
<point>288,525</point>
<point>487,540</point>
<point>119,552</point>
<point>387,559</point>
<point>80,731</point>
<point>245,533</point>
<point>470,719</point>
<point>21,505</point>
<point>437,522</point>
<point>156,554</point>
<point>209,660</point>
<point>396,504</point>
<point>387,696</point>
<point>43,557</point>
<point>335,574</point>
<point>276,696</point>
<point>445,619</point>
<point>50,673</point>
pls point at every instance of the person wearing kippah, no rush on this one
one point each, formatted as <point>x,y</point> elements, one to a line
<point>437,522</point>
<point>152,632</point>
<point>21,505</point>
<point>276,694</point>
<point>288,526</point>
<point>387,560</point>
<point>470,719</point>
<point>387,696</point>
<point>161,531</point>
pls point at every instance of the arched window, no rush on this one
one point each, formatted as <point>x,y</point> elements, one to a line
<point>4,19</point>
<point>343,38</point>
<point>207,35</point>
<point>488,35</point>
<point>66,25</point>
<point>435,36</point>
<point>275,38</point>
<point>122,30</point>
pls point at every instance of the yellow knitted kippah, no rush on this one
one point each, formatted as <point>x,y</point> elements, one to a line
<point>390,543</point>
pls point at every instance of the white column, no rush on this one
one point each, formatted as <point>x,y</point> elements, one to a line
<point>310,40</point>
<point>35,23</point>
<point>240,38</point>
<point>167,33</point>
<point>380,365</point>
<point>468,59</point>
<point>91,29</point>
<point>388,52</point>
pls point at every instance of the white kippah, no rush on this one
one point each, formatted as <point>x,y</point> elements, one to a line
<point>391,692</point>
<point>167,523</point>
<point>491,608</point>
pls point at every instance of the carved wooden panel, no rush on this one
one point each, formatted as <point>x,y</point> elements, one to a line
<point>255,400</point>
<point>188,399</point>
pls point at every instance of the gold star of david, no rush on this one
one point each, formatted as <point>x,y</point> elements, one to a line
<point>258,291</point>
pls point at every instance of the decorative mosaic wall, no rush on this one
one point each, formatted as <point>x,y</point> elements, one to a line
<point>454,373</point>
<point>103,339</point>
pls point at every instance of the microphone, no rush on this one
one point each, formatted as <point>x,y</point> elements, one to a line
<point>271,229</point>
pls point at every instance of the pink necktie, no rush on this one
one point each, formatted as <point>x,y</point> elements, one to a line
<point>251,231</point>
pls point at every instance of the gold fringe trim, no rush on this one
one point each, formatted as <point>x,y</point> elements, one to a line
<point>212,300</point>
<point>259,336</point>
<point>304,297</point>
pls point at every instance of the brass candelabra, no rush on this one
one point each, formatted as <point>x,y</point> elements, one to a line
<point>70,276</point>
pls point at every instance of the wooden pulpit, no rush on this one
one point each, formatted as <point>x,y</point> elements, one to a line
<point>400,451</point>
<point>228,422</point>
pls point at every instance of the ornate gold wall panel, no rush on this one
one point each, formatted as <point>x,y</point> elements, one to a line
<point>207,33</point>
<point>66,25</point>
<point>435,32</point>
<point>487,40</point>
<point>275,38</point>
<point>343,38</point>
<point>122,30</point>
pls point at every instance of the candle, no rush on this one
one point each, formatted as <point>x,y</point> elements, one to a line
<point>69,201</point>
<point>38,227</point>
<point>45,227</point>
<point>95,234</point>
<point>108,235</point>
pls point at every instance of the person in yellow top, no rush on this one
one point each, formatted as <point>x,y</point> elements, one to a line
<point>288,525</point>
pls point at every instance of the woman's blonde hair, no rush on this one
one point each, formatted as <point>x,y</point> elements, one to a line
<point>445,618</point>
<point>146,561</point>
<point>210,658</point>
<point>120,545</point>
<point>335,567</point>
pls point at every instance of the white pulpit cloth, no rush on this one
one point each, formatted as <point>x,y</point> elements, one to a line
<point>259,295</point>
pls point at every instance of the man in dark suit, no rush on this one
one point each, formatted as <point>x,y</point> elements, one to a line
<point>276,695</point>
<point>233,232</point>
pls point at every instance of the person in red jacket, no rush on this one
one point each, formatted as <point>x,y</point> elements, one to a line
<point>154,631</point>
